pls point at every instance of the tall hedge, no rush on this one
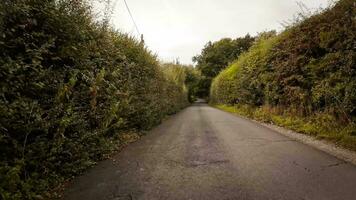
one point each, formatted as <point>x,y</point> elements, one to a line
<point>69,87</point>
<point>308,68</point>
<point>244,80</point>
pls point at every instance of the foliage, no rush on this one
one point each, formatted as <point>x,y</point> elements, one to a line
<point>307,70</point>
<point>243,81</point>
<point>314,64</point>
<point>192,81</point>
<point>216,56</point>
<point>176,75</point>
<point>70,89</point>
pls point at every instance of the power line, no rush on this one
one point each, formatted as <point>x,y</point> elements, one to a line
<point>128,9</point>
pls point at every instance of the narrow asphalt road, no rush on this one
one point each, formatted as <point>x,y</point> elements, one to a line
<point>205,153</point>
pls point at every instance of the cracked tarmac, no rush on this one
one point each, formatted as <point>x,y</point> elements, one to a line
<point>205,153</point>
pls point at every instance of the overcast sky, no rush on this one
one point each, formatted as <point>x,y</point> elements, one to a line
<point>181,28</point>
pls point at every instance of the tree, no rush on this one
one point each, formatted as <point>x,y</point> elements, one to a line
<point>216,56</point>
<point>192,81</point>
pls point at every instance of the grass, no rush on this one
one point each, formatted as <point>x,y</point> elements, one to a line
<point>320,125</point>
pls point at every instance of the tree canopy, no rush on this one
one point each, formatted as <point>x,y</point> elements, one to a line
<point>216,56</point>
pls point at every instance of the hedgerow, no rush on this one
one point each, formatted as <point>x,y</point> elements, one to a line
<point>215,56</point>
<point>308,71</point>
<point>242,81</point>
<point>70,89</point>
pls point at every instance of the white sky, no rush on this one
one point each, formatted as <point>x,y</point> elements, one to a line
<point>180,28</point>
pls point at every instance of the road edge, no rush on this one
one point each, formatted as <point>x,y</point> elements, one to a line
<point>322,145</point>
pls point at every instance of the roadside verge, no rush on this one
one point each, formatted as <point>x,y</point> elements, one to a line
<point>323,145</point>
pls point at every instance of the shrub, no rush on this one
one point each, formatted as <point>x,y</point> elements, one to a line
<point>216,56</point>
<point>313,66</point>
<point>307,68</point>
<point>245,79</point>
<point>70,87</point>
<point>305,75</point>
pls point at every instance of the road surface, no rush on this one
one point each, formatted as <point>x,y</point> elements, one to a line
<point>205,153</point>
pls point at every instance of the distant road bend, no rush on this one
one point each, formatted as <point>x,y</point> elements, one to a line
<point>204,153</point>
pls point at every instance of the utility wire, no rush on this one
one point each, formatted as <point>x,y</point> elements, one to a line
<point>128,9</point>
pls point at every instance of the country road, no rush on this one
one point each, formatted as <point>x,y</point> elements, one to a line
<point>205,153</point>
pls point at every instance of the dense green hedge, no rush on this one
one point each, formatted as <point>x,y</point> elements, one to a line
<point>215,56</point>
<point>308,68</point>
<point>303,78</point>
<point>69,88</point>
<point>242,81</point>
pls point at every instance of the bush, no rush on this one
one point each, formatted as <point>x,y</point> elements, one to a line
<point>70,87</point>
<point>314,64</point>
<point>216,56</point>
<point>307,68</point>
<point>305,75</point>
<point>244,80</point>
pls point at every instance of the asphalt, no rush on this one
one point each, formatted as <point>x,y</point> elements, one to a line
<point>205,153</point>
